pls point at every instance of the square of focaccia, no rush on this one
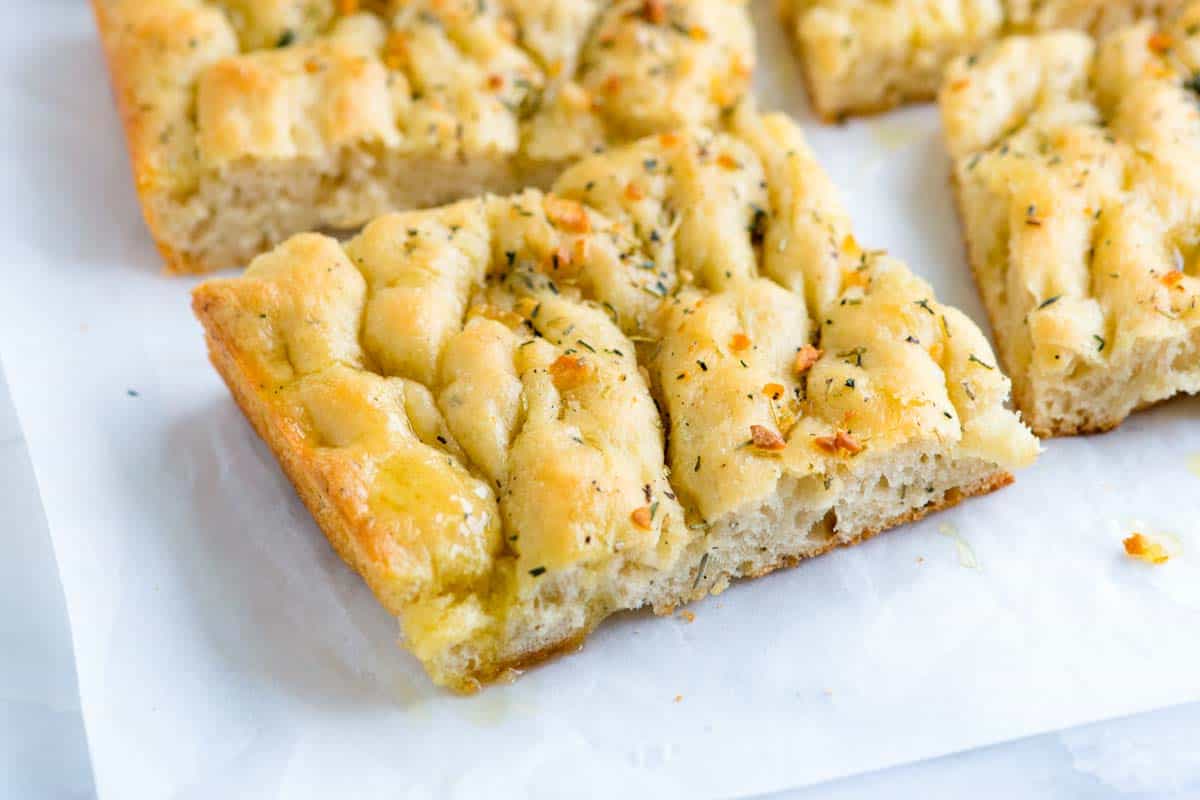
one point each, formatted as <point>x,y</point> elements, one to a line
<point>517,415</point>
<point>252,120</point>
<point>865,56</point>
<point>1077,167</point>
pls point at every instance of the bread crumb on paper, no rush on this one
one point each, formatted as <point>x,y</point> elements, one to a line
<point>1145,548</point>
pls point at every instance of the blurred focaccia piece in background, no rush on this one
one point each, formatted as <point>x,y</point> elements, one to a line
<point>865,56</point>
<point>251,120</point>
<point>1077,167</point>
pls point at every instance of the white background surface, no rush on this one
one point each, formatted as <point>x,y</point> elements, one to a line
<point>43,752</point>
<point>223,650</point>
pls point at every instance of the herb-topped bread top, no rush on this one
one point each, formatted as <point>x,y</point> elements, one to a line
<point>1078,166</point>
<point>209,87</point>
<point>519,404</point>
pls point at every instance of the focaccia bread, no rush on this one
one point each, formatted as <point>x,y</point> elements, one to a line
<point>251,120</point>
<point>517,415</point>
<point>1077,167</point>
<point>865,56</point>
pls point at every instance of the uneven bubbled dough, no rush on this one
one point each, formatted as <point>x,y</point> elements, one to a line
<point>804,243</point>
<point>438,526</point>
<point>181,39</point>
<point>421,267</point>
<point>867,56</point>
<point>464,78</point>
<point>715,388</point>
<point>688,200</point>
<point>1094,16</point>
<point>300,308</point>
<point>880,378</point>
<point>658,66</point>
<point>725,362</point>
<point>298,102</point>
<point>590,451</point>
<point>560,239</point>
<point>481,394</point>
<point>430,524</point>
<point>529,365</point>
<point>543,436</point>
<point>252,120</point>
<point>1080,192</point>
<point>469,80</point>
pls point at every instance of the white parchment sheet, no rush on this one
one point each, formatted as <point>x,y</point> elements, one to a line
<point>224,651</point>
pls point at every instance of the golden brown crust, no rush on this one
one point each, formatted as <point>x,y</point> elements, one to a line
<point>132,125</point>
<point>271,426</point>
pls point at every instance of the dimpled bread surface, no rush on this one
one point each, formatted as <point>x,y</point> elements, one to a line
<point>1077,166</point>
<point>865,56</point>
<point>517,415</point>
<point>252,120</point>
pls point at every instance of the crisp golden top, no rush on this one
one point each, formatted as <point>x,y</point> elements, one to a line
<point>1086,157</point>
<point>488,387</point>
<point>210,83</point>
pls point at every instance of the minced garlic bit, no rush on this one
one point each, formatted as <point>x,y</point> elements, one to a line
<point>569,372</point>
<point>566,214</point>
<point>1144,548</point>
<point>1172,278</point>
<point>805,357</point>
<point>1160,42</point>
<point>839,442</point>
<point>641,517</point>
<point>766,439</point>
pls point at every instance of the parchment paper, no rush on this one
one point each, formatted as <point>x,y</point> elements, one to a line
<point>224,651</point>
